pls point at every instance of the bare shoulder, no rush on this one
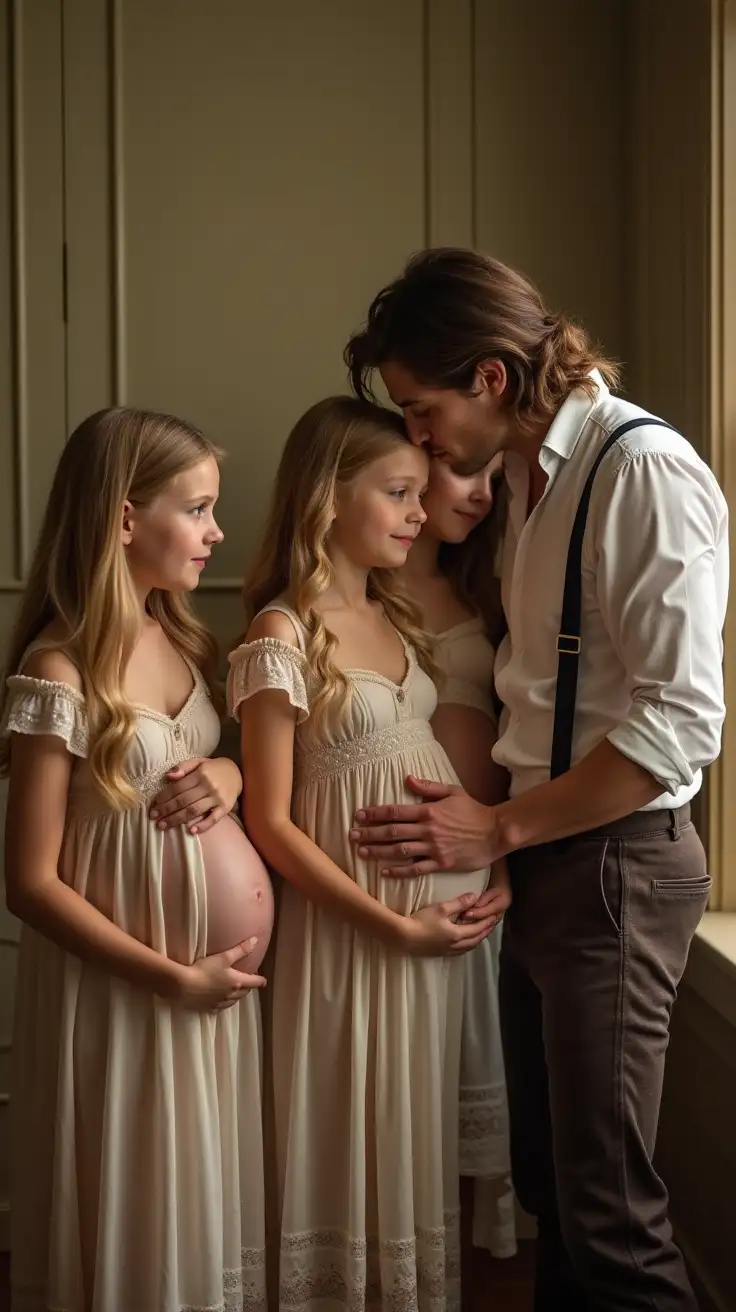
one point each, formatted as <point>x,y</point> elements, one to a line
<point>273,624</point>
<point>53,665</point>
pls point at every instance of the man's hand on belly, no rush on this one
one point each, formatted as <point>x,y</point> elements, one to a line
<point>447,831</point>
<point>451,831</point>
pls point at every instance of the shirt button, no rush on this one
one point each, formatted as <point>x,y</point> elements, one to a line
<point>400,695</point>
<point>177,731</point>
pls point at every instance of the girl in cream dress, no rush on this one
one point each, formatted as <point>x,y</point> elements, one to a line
<point>138,1168</point>
<point>333,690</point>
<point>450,575</point>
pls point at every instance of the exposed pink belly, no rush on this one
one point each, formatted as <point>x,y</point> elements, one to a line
<point>239,894</point>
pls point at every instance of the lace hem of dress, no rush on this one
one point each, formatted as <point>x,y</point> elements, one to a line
<point>244,1289</point>
<point>484,1131</point>
<point>267,663</point>
<point>38,706</point>
<point>418,1274</point>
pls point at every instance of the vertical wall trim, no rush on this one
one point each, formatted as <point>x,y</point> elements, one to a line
<point>117,189</point>
<point>19,291</point>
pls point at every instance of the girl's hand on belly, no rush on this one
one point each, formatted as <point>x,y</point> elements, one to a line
<point>435,932</point>
<point>497,898</point>
<point>199,793</point>
<point>213,983</point>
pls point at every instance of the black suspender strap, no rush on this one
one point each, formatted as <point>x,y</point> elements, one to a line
<point>569,638</point>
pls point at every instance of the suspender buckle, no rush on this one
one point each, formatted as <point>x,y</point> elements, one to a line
<point>568,644</point>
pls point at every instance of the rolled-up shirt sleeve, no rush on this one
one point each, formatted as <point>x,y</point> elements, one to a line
<point>662,584</point>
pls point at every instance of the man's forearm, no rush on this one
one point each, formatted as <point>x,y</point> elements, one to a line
<point>601,788</point>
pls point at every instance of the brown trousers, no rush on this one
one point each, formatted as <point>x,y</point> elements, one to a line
<point>594,946</point>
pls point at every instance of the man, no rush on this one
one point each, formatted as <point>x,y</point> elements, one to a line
<point>610,713</point>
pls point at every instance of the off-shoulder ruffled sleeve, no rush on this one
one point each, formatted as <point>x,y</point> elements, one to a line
<point>267,663</point>
<point>39,706</point>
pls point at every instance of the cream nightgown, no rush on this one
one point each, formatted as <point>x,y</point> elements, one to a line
<point>365,1040</point>
<point>466,658</point>
<point>138,1167</point>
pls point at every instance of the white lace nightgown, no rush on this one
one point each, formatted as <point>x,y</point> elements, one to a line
<point>466,657</point>
<point>365,1040</point>
<point>138,1167</point>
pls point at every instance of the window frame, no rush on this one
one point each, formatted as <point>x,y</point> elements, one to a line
<point>718,809</point>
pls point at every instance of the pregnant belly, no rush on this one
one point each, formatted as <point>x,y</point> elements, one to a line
<point>446,887</point>
<point>239,894</point>
<point>409,895</point>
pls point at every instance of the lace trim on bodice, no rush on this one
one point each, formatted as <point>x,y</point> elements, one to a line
<point>324,761</point>
<point>40,706</point>
<point>87,801</point>
<point>263,664</point>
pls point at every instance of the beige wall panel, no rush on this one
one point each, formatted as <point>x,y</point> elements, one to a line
<point>88,206</point>
<point>549,132</point>
<point>450,144</point>
<point>268,175</point>
<point>669,143</point>
<point>8,551</point>
<point>32,384</point>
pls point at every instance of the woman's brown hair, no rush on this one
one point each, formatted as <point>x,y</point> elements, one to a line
<point>473,567</point>
<point>451,309</point>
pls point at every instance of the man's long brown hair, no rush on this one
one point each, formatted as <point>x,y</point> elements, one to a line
<point>451,309</point>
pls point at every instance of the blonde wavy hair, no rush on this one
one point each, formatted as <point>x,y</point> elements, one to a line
<point>329,446</point>
<point>79,578</point>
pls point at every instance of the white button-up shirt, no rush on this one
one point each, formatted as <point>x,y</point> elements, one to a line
<point>654,588</point>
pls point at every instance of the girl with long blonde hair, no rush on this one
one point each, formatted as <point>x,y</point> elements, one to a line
<point>138,1172</point>
<point>334,691</point>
